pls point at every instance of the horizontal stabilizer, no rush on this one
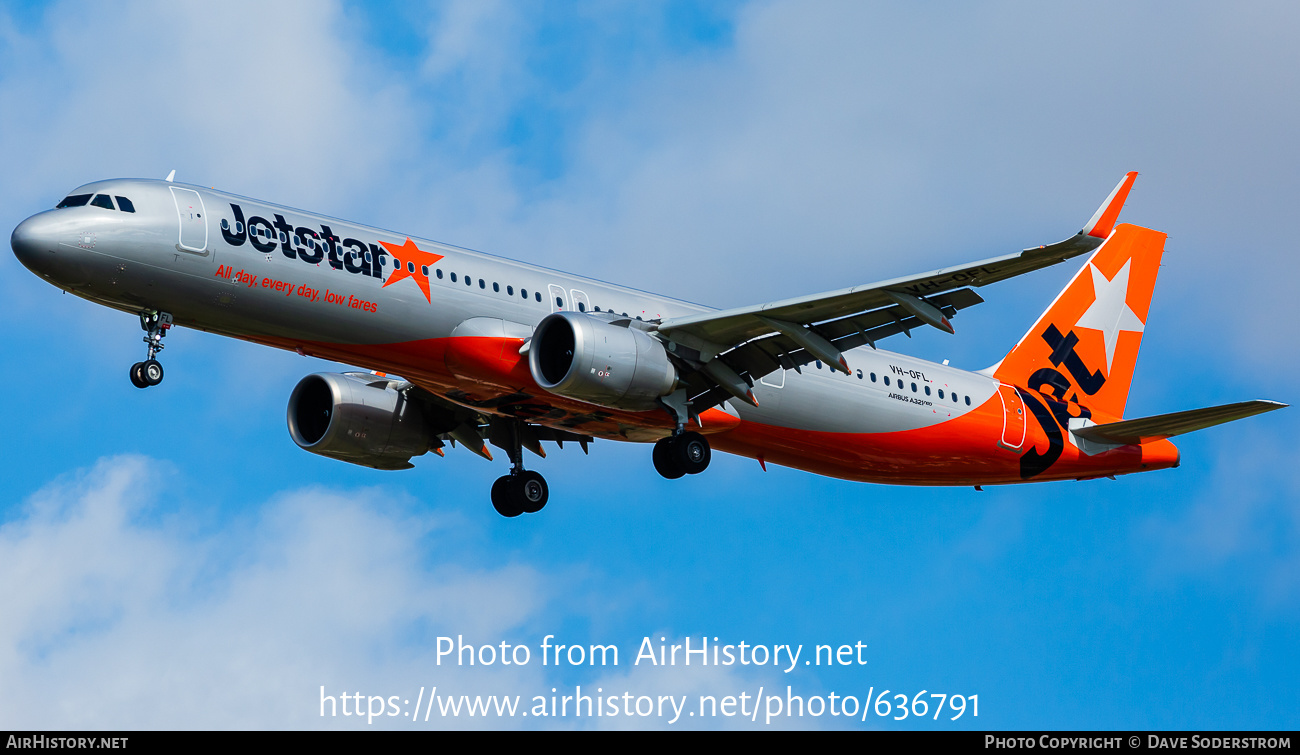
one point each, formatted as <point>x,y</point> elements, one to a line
<point>1168,425</point>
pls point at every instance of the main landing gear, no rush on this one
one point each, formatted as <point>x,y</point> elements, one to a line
<point>150,372</point>
<point>521,491</point>
<point>682,454</point>
<point>685,452</point>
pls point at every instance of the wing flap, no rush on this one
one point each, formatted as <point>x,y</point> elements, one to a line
<point>1164,426</point>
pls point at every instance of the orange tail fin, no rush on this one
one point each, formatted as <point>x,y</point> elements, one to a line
<point>1085,346</point>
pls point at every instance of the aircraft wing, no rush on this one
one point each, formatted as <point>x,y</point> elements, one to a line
<point>735,346</point>
<point>1168,425</point>
<point>475,430</point>
<point>738,325</point>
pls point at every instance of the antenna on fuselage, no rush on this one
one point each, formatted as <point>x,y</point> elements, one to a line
<point>170,176</point>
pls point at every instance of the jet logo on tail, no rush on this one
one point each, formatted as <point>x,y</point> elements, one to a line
<point>1110,312</point>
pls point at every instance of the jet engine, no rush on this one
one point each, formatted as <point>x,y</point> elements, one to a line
<point>357,418</point>
<point>581,357</point>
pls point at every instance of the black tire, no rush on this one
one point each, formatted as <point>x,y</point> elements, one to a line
<point>505,499</point>
<point>692,452</point>
<point>665,459</point>
<point>532,492</point>
<point>151,372</point>
<point>137,377</point>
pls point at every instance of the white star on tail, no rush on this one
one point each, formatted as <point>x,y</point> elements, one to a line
<point>1110,312</point>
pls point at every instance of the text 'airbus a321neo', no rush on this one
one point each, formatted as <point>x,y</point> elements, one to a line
<point>498,352</point>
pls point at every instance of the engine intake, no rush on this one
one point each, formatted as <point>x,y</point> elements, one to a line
<point>350,417</point>
<point>580,357</point>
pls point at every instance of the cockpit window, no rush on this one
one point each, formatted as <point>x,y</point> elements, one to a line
<point>124,204</point>
<point>103,200</point>
<point>76,200</point>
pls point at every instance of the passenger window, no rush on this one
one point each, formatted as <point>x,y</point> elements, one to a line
<point>453,277</point>
<point>940,393</point>
<point>968,401</point>
<point>425,270</point>
<point>496,288</point>
<point>913,387</point>
<point>559,302</point>
<point>76,200</point>
<point>523,292</point>
<point>873,377</point>
<point>927,390</point>
<point>510,290</point>
<point>582,307</point>
<point>819,364</point>
<point>104,201</point>
<point>439,273</point>
<point>124,204</point>
<point>481,284</point>
<point>954,398</point>
<point>283,238</point>
<point>859,374</point>
<point>886,380</point>
<point>538,295</point>
<point>225,224</point>
<point>239,227</point>
<point>410,267</point>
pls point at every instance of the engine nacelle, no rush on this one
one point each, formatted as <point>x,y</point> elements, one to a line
<point>580,357</point>
<point>345,417</point>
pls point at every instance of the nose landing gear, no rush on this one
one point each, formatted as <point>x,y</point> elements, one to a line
<point>150,372</point>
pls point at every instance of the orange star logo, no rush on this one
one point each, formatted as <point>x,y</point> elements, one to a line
<point>411,262</point>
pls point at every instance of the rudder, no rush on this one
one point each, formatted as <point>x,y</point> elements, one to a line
<point>1084,348</point>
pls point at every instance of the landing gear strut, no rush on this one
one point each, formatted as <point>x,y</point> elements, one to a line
<point>522,491</point>
<point>150,372</point>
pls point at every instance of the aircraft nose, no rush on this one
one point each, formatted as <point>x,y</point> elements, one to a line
<point>31,239</point>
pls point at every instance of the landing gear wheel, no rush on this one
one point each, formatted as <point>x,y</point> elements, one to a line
<point>504,498</point>
<point>665,459</point>
<point>532,491</point>
<point>692,452</point>
<point>151,371</point>
<point>521,493</point>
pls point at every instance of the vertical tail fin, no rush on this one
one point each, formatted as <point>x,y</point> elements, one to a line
<point>1084,347</point>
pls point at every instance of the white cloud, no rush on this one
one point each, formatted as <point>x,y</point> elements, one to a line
<point>123,611</point>
<point>119,614</point>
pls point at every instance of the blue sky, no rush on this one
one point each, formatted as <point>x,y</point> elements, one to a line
<point>168,558</point>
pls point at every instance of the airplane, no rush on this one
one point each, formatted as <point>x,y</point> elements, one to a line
<point>496,352</point>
